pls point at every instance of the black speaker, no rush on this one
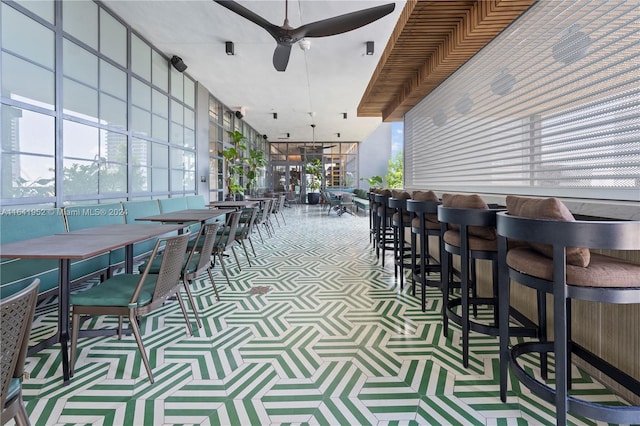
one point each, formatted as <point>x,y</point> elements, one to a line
<point>239,115</point>
<point>264,137</point>
<point>177,63</point>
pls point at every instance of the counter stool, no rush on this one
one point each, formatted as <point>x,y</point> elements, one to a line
<point>555,258</point>
<point>400,222</point>
<point>373,211</point>
<point>468,231</point>
<point>384,232</point>
<point>423,225</point>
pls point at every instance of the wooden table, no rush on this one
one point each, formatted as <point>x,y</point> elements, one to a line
<point>144,231</point>
<point>237,205</point>
<point>186,216</point>
<point>75,245</point>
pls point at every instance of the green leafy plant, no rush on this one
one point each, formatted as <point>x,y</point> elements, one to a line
<point>314,169</point>
<point>234,163</point>
<point>394,176</point>
<point>254,162</point>
<point>373,181</point>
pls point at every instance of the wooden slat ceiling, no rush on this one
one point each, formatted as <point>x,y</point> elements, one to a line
<point>431,40</point>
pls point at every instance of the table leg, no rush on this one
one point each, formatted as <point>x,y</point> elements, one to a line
<point>128,259</point>
<point>63,316</point>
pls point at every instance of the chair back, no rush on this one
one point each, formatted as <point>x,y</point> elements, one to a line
<point>175,249</point>
<point>246,222</point>
<point>228,234</point>
<point>17,316</point>
<point>232,227</point>
<point>265,211</point>
<point>281,201</point>
<point>209,232</point>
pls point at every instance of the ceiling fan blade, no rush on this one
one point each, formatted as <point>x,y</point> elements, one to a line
<point>251,16</point>
<point>281,56</point>
<point>343,23</point>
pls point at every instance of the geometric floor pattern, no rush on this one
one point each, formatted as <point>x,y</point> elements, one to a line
<point>315,332</point>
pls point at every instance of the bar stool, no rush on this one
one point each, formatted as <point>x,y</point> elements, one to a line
<point>468,231</point>
<point>555,259</point>
<point>424,224</point>
<point>400,222</point>
<point>384,232</point>
<point>373,211</point>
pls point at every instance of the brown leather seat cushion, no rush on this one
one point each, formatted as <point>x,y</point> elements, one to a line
<point>475,243</point>
<point>602,271</point>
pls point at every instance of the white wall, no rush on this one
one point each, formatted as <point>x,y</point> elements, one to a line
<point>373,154</point>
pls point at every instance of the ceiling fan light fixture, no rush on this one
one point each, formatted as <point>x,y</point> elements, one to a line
<point>228,48</point>
<point>305,44</point>
<point>370,45</point>
<point>286,36</point>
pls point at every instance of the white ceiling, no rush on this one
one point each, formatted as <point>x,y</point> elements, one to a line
<point>327,80</point>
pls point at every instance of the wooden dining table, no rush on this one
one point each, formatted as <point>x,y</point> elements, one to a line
<point>78,245</point>
<point>237,205</point>
<point>185,216</point>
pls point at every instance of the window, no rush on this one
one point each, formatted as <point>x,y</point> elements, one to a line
<point>555,115</point>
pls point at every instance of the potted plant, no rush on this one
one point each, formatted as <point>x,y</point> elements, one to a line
<point>374,181</point>
<point>234,164</point>
<point>314,170</point>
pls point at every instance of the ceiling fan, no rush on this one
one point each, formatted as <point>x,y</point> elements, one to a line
<point>286,35</point>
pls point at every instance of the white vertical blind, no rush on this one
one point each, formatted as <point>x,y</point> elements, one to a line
<point>550,107</point>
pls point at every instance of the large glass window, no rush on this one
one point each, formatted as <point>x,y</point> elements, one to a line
<point>28,144</point>
<point>27,59</point>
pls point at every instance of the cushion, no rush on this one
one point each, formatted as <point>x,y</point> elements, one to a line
<point>415,222</point>
<point>475,243</point>
<point>473,201</point>
<point>550,209</point>
<point>400,195</point>
<point>424,196</point>
<point>603,271</point>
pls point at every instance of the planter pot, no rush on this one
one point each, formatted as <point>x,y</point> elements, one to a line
<point>313,197</point>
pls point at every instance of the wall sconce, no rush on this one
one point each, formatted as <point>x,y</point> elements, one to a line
<point>228,48</point>
<point>203,179</point>
<point>275,115</point>
<point>503,83</point>
<point>439,117</point>
<point>572,46</point>
<point>338,134</point>
<point>344,115</point>
<point>464,104</point>
<point>369,48</point>
<point>177,63</point>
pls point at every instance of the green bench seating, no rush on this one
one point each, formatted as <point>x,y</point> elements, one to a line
<point>361,199</point>
<point>16,274</point>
